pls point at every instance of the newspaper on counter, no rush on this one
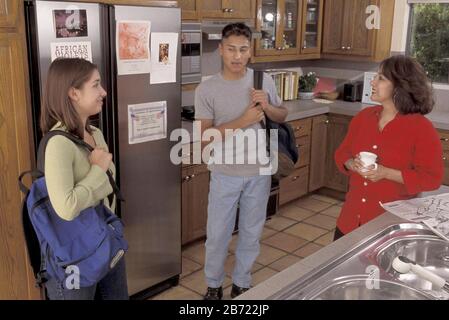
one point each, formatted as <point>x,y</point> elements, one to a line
<point>433,211</point>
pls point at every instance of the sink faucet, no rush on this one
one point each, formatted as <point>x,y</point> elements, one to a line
<point>404,265</point>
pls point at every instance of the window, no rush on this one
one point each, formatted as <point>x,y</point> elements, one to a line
<point>428,38</point>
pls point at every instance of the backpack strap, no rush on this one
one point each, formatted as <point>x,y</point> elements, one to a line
<point>77,141</point>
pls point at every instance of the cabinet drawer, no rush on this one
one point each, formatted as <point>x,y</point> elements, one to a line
<point>303,145</point>
<point>302,127</point>
<point>294,186</point>
<point>444,135</point>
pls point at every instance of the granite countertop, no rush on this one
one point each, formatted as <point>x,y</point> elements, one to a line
<point>285,278</point>
<point>301,109</point>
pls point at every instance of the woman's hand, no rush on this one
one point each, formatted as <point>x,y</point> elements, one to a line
<point>101,158</point>
<point>355,165</point>
<point>376,175</point>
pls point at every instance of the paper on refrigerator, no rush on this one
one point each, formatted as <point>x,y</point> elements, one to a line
<point>147,122</point>
<point>133,47</point>
<point>164,54</point>
<point>434,210</point>
<point>80,49</point>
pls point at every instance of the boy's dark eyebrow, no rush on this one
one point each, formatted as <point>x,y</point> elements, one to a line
<point>234,46</point>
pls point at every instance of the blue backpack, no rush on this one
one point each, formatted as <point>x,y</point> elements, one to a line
<point>93,242</point>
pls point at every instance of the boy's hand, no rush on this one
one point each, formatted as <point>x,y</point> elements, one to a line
<point>252,115</point>
<point>261,97</point>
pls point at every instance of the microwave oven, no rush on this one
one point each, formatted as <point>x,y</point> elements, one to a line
<point>190,53</point>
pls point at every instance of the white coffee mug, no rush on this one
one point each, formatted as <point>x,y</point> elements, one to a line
<point>368,160</point>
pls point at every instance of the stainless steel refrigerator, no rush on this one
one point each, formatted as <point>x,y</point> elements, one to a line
<point>149,181</point>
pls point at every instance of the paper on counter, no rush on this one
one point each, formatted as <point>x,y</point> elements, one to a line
<point>147,122</point>
<point>133,47</point>
<point>434,210</point>
<point>164,54</point>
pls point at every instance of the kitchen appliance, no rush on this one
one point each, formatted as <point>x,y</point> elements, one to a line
<point>353,91</point>
<point>191,53</point>
<point>149,181</point>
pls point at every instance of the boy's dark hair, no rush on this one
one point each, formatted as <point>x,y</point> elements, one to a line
<point>237,29</point>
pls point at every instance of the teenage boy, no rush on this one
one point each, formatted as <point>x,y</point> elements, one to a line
<point>228,101</point>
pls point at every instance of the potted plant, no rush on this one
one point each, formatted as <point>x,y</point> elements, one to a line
<point>307,83</point>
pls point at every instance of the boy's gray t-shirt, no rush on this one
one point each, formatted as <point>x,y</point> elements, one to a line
<point>224,101</point>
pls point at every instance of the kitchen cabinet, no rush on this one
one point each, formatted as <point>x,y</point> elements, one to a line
<point>230,9</point>
<point>195,193</point>
<point>291,30</point>
<point>296,185</point>
<point>338,126</point>
<point>345,32</point>
<point>444,135</point>
<point>189,9</point>
<point>318,152</point>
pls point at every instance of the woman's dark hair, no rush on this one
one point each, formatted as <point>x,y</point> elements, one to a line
<point>236,29</point>
<point>412,88</point>
<point>63,74</point>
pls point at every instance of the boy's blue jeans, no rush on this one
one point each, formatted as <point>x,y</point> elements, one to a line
<point>226,193</point>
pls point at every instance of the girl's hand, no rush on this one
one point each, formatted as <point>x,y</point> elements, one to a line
<point>101,158</point>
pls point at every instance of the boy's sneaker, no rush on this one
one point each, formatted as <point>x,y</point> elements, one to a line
<point>214,294</point>
<point>236,291</point>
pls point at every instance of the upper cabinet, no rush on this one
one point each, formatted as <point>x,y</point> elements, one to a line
<point>350,31</point>
<point>232,9</point>
<point>189,9</point>
<point>291,29</point>
<point>312,20</point>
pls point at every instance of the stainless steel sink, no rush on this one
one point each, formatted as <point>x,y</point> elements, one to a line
<point>357,288</point>
<point>347,277</point>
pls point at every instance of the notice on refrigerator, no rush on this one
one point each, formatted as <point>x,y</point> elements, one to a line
<point>147,122</point>
<point>133,47</point>
<point>164,49</point>
<point>81,50</point>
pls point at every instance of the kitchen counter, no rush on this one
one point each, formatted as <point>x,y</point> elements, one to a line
<point>282,280</point>
<point>300,109</point>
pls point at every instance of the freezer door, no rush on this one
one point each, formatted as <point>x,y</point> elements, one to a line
<point>72,29</point>
<point>150,182</point>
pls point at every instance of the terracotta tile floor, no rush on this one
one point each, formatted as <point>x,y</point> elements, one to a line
<point>298,230</point>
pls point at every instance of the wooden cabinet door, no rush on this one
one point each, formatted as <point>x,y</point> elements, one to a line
<point>16,154</point>
<point>233,9</point>
<point>212,9</point>
<point>337,130</point>
<point>239,9</point>
<point>318,153</point>
<point>334,26</point>
<point>189,9</point>
<point>312,21</point>
<point>195,193</point>
<point>359,40</point>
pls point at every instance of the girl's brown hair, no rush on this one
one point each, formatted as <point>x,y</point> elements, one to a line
<point>412,88</point>
<point>63,74</point>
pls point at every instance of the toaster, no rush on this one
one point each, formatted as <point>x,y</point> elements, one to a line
<point>353,91</point>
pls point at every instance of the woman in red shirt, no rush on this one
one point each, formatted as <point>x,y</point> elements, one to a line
<point>410,156</point>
